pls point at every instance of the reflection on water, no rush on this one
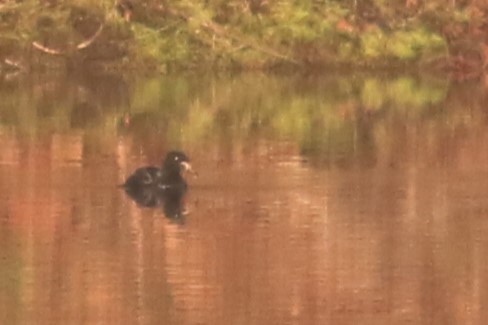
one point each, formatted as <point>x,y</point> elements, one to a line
<point>171,201</point>
<point>340,200</point>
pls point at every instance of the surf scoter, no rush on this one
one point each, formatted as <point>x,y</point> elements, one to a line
<point>164,178</point>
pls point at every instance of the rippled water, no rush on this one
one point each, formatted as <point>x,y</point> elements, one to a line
<point>319,200</point>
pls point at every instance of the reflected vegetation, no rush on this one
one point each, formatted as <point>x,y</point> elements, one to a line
<point>335,113</point>
<point>320,199</point>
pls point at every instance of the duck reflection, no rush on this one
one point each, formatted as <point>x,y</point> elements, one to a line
<point>162,187</point>
<point>171,201</point>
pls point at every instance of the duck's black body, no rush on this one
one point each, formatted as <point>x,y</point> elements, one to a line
<point>143,177</point>
<point>166,177</point>
<point>152,186</point>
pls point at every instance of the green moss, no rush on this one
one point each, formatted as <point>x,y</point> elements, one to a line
<point>346,50</point>
<point>373,43</point>
<point>402,45</point>
<point>411,44</point>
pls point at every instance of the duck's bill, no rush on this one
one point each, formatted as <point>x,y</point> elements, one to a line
<point>187,167</point>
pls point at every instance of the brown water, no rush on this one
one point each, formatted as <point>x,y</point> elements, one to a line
<point>352,200</point>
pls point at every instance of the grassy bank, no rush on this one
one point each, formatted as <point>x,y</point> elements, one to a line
<point>247,34</point>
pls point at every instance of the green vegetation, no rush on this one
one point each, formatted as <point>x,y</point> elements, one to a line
<point>152,35</point>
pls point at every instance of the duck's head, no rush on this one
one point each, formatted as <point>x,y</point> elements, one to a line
<point>177,161</point>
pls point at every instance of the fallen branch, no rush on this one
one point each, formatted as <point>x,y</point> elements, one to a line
<point>46,49</point>
<point>14,64</point>
<point>89,41</point>
<point>86,43</point>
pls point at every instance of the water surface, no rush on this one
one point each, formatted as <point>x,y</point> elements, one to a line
<point>320,200</point>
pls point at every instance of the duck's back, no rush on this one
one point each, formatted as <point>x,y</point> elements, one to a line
<point>144,176</point>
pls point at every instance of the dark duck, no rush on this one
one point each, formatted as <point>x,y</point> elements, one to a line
<point>153,186</point>
<point>167,177</point>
